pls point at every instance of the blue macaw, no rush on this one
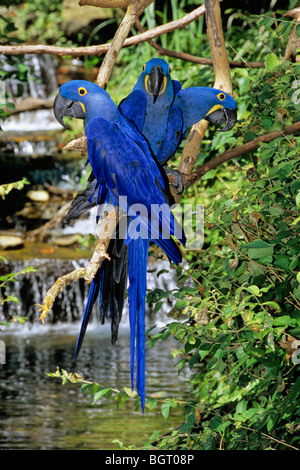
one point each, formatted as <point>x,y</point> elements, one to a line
<point>124,167</point>
<point>149,106</point>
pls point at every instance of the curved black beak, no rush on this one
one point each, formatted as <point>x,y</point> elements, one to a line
<point>64,107</point>
<point>223,116</point>
<point>156,82</point>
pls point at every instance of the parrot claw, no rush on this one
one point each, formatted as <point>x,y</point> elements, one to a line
<point>177,184</point>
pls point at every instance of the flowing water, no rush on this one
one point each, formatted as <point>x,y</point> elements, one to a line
<point>38,412</point>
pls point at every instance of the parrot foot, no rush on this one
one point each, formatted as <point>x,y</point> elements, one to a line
<point>176,176</point>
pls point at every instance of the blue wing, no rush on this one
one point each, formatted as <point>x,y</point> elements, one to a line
<point>176,86</point>
<point>134,108</point>
<point>128,169</point>
<point>174,136</point>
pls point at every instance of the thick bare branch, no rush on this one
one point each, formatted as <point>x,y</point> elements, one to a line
<point>111,3</point>
<point>77,144</point>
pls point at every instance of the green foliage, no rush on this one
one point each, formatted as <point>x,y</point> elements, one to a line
<point>12,277</point>
<point>38,20</point>
<point>239,321</point>
<point>7,188</point>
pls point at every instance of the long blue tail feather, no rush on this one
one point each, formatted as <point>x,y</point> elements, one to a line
<point>93,293</point>
<point>138,254</point>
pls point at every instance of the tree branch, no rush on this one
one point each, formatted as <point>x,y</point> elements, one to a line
<point>238,151</point>
<point>102,48</point>
<point>193,58</point>
<point>132,13</point>
<point>100,254</point>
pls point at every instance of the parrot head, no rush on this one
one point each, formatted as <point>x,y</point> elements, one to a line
<point>155,77</point>
<point>223,109</point>
<point>81,99</point>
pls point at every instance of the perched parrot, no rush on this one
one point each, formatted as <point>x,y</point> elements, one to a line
<point>170,110</point>
<point>124,167</point>
<point>149,106</point>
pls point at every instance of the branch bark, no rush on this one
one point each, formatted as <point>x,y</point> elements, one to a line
<point>238,151</point>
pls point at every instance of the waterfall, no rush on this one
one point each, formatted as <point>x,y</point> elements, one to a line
<point>25,132</point>
<point>31,288</point>
<point>41,76</point>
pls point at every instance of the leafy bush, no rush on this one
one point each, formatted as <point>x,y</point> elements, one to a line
<point>240,321</point>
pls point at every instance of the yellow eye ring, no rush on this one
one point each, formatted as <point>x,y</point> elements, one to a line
<point>82,91</point>
<point>221,96</point>
<point>144,66</point>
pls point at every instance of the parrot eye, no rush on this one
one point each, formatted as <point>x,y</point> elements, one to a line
<point>82,91</point>
<point>221,96</point>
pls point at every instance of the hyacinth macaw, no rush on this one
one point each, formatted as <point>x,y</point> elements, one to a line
<point>189,106</point>
<point>163,111</point>
<point>149,106</point>
<point>122,163</point>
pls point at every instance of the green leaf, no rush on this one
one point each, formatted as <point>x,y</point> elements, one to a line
<point>284,320</point>
<point>165,409</point>
<point>254,290</point>
<point>103,392</point>
<point>267,123</point>
<point>258,249</point>
<point>131,393</point>
<point>210,174</point>
<point>241,407</point>
<point>271,62</point>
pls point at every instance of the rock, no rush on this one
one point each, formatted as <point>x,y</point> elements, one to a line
<point>39,195</point>
<point>76,18</point>
<point>66,240</point>
<point>10,241</point>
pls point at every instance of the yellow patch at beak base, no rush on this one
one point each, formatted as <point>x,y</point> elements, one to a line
<point>83,107</point>
<point>214,108</point>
